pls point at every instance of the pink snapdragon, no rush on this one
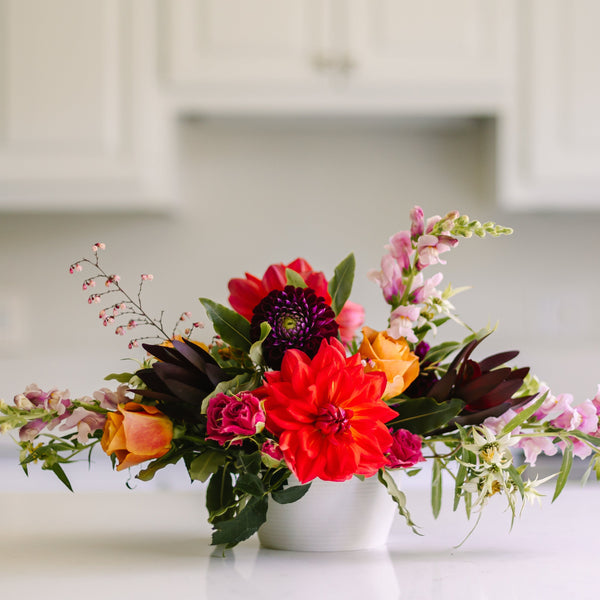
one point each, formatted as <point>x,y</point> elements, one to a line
<point>429,248</point>
<point>389,278</point>
<point>534,446</point>
<point>33,397</point>
<point>110,399</point>
<point>558,411</point>
<point>86,421</point>
<point>497,424</point>
<point>400,247</point>
<point>402,322</point>
<point>417,222</point>
<point>423,291</point>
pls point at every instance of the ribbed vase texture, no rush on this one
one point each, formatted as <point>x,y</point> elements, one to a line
<point>332,516</point>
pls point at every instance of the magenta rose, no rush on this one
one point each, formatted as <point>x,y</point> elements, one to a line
<point>405,451</point>
<point>272,454</point>
<point>231,417</point>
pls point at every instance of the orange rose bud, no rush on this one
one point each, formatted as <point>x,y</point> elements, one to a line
<point>136,433</point>
<point>384,353</point>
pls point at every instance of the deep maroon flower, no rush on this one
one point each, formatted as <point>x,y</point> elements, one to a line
<point>298,318</point>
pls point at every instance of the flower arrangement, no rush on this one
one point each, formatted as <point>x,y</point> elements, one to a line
<point>294,383</point>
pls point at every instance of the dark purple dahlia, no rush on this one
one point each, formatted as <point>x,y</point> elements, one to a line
<point>298,318</point>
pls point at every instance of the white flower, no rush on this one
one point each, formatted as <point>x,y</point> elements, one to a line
<point>491,450</point>
<point>531,494</point>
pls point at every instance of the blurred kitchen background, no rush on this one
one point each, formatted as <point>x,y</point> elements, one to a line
<point>200,139</point>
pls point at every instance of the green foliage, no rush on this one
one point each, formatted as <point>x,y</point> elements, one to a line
<point>56,452</point>
<point>233,531</point>
<point>294,278</point>
<point>422,415</point>
<point>523,416</point>
<point>436,487</point>
<point>120,377</point>
<point>255,353</point>
<point>340,284</point>
<point>290,494</point>
<point>231,326</point>
<point>206,464</point>
<point>399,497</point>
<point>565,468</point>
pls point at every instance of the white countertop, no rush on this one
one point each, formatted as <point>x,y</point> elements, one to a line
<point>152,544</point>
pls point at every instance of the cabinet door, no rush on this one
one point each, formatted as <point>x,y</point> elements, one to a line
<point>433,50</point>
<point>551,150</point>
<point>77,120</point>
<point>253,44</point>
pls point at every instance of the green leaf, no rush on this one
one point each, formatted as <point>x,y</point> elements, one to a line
<point>170,458</point>
<point>340,285</point>
<point>219,494</point>
<point>399,498</point>
<point>120,377</point>
<point>440,352</point>
<point>521,417</point>
<point>205,465</point>
<point>241,527</point>
<point>436,487</point>
<point>59,472</point>
<point>517,480</point>
<point>565,469</point>
<point>290,494</point>
<point>251,484</point>
<point>231,326</point>
<point>422,415</point>
<point>250,463</point>
<point>460,479</point>
<point>238,384</point>
<point>256,354</point>
<point>294,278</point>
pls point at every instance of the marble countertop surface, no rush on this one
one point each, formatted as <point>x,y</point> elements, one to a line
<point>156,544</point>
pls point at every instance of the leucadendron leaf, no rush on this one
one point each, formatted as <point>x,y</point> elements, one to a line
<point>340,285</point>
<point>422,415</point>
<point>231,326</point>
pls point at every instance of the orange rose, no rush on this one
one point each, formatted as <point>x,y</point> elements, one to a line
<point>136,433</point>
<point>393,357</point>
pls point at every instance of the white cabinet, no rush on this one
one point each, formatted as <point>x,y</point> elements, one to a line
<point>80,122</point>
<point>549,138</point>
<point>282,55</point>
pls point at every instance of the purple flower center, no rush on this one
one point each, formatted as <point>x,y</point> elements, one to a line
<point>332,419</point>
<point>298,318</point>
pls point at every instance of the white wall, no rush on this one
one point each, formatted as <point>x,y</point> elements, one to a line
<point>261,192</point>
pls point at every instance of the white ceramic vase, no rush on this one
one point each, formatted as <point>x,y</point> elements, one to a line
<point>331,516</point>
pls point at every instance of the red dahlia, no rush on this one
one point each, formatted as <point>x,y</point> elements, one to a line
<point>328,414</point>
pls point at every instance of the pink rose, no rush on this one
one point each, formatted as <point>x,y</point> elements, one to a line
<point>231,417</point>
<point>272,454</point>
<point>405,451</point>
<point>351,317</point>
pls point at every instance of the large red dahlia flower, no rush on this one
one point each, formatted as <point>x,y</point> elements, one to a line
<point>246,294</point>
<point>328,414</point>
